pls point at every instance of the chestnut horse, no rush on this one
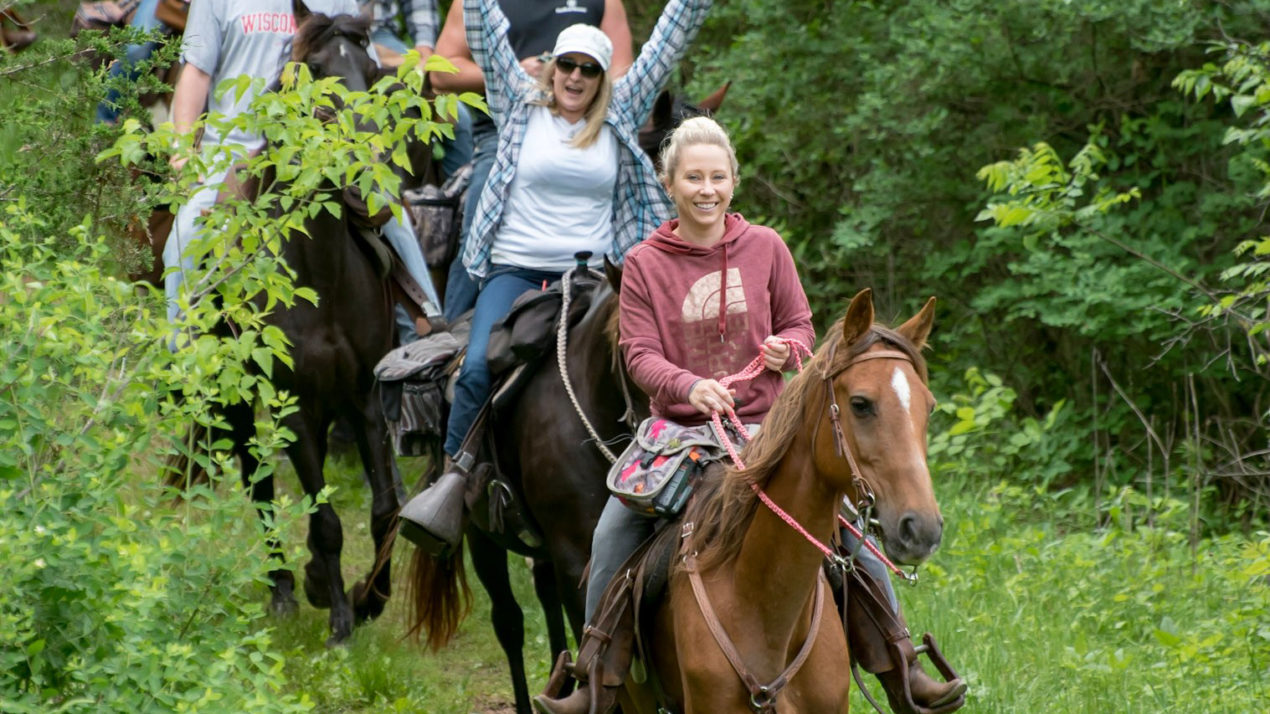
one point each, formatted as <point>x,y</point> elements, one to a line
<point>758,630</point>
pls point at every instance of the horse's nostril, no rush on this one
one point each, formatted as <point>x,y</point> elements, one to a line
<point>908,530</point>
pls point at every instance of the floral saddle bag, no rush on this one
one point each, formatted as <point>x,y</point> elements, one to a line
<point>656,474</point>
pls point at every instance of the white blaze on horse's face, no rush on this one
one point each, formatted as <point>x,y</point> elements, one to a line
<point>904,391</point>
<point>343,50</point>
<point>899,382</point>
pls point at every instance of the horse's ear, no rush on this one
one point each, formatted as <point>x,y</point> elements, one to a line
<point>613,272</point>
<point>918,327</point>
<point>300,10</point>
<point>859,319</point>
<point>712,103</point>
<point>663,110</point>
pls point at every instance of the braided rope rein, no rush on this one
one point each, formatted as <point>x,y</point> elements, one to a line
<point>562,346</point>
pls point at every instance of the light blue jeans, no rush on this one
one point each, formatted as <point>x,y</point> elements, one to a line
<point>188,227</point>
<point>620,531</point>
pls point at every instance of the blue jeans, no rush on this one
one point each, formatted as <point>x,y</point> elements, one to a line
<point>617,535</point>
<point>504,284</point>
<point>401,235</point>
<point>458,151</point>
<point>386,37</point>
<point>460,288</point>
<point>142,19</point>
<point>870,562</point>
<point>188,227</point>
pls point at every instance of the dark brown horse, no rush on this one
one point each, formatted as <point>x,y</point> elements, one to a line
<point>853,422</point>
<point>335,346</point>
<point>555,466</point>
<point>557,471</point>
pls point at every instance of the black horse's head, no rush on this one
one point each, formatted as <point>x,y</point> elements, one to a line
<point>669,112</point>
<point>335,47</point>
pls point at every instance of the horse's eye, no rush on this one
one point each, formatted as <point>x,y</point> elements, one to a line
<point>862,407</point>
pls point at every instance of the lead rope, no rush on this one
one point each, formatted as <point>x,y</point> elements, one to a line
<point>562,346</point>
<point>752,370</point>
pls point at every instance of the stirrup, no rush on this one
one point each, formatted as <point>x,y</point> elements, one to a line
<point>932,651</point>
<point>433,520</point>
<point>561,673</point>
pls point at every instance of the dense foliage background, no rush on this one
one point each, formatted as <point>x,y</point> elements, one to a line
<point>1082,183</point>
<point>863,127</point>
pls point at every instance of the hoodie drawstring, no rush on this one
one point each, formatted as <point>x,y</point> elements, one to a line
<point>723,298</point>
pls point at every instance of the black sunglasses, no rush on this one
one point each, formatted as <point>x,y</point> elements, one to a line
<point>590,70</point>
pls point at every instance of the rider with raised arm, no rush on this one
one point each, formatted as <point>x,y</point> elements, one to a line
<point>569,176</point>
<point>532,28</point>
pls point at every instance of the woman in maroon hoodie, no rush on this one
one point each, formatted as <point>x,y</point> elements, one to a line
<point>700,298</point>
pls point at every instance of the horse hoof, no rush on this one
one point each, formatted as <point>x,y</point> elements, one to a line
<point>366,605</point>
<point>341,628</point>
<point>284,607</point>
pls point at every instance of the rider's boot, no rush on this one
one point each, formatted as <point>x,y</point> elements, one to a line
<point>880,642</point>
<point>594,695</point>
<point>604,656</point>
<point>433,519</point>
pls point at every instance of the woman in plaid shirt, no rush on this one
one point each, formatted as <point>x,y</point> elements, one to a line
<point>568,176</point>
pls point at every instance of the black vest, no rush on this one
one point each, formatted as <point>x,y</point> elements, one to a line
<point>535,24</point>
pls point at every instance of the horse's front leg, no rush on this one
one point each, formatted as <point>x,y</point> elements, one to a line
<point>242,429</point>
<point>372,592</point>
<point>490,561</point>
<point>323,582</point>
<point>548,591</point>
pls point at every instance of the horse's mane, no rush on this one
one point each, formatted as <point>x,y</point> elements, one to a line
<point>318,29</point>
<point>725,502</point>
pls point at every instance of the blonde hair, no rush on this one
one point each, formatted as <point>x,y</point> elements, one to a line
<point>692,132</point>
<point>594,114</point>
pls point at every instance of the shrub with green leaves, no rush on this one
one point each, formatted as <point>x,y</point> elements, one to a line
<point>117,595</point>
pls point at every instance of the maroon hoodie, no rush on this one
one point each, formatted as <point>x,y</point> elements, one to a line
<point>689,313</point>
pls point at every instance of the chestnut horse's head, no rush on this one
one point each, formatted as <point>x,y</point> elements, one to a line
<point>876,377</point>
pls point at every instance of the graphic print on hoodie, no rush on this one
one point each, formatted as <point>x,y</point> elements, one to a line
<point>701,326</point>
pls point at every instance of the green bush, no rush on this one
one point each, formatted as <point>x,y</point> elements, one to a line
<point>114,597</point>
<point>118,597</point>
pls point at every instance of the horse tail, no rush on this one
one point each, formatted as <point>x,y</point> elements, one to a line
<point>436,586</point>
<point>439,596</point>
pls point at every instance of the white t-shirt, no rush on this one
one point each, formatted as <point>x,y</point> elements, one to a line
<point>561,198</point>
<point>230,38</point>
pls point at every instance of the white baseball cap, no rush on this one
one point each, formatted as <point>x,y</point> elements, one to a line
<point>588,40</point>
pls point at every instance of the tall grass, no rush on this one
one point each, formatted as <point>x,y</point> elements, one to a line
<point>1041,619</point>
<point>1037,616</point>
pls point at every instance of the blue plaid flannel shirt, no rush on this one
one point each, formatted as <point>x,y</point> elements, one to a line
<point>640,203</point>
